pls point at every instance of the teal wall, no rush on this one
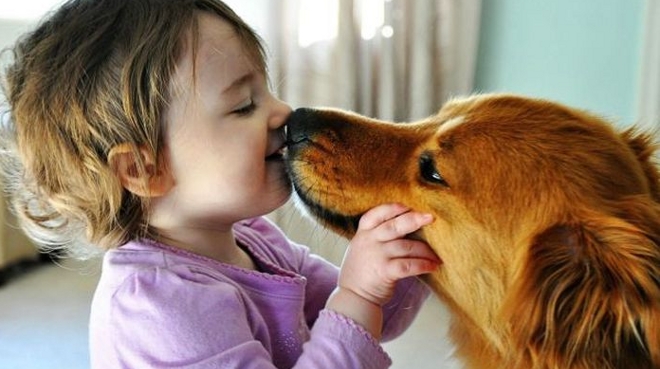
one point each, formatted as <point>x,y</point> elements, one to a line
<point>584,53</point>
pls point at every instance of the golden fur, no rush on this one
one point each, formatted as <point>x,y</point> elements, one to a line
<point>547,220</point>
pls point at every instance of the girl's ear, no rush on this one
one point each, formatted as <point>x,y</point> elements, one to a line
<point>154,181</point>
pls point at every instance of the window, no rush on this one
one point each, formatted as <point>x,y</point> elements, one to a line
<point>27,9</point>
<point>318,20</point>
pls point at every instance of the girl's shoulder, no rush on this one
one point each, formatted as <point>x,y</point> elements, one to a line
<point>267,242</point>
<point>149,262</point>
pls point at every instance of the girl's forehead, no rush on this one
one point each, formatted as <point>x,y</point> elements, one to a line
<point>214,41</point>
<point>212,52</point>
<point>216,36</point>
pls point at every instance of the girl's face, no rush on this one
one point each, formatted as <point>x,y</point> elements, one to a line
<point>223,136</point>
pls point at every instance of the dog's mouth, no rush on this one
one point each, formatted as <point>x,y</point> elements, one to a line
<point>296,142</point>
<point>279,145</point>
<point>343,224</point>
<point>277,155</point>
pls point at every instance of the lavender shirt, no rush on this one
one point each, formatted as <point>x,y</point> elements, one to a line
<point>160,307</point>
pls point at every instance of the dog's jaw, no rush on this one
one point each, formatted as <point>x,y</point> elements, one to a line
<point>342,224</point>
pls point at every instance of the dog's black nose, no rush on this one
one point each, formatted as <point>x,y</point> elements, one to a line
<point>298,125</point>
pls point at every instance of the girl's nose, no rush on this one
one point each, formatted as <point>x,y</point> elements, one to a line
<point>279,114</point>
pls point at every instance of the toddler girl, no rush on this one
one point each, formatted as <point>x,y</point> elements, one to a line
<point>147,128</point>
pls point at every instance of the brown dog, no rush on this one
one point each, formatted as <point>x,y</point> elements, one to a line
<point>546,218</point>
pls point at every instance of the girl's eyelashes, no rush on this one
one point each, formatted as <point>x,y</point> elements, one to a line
<point>246,108</point>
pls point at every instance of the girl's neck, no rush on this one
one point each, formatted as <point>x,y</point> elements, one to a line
<point>219,246</point>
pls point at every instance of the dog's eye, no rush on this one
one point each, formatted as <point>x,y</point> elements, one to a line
<point>429,172</point>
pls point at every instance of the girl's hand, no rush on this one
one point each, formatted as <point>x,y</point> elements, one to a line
<point>379,255</point>
<point>376,258</point>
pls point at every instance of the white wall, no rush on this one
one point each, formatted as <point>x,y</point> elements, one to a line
<point>10,29</point>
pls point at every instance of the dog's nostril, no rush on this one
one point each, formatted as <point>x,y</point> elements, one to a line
<point>297,141</point>
<point>300,125</point>
<point>295,137</point>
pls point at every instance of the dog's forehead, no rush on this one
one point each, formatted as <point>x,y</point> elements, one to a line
<point>450,123</point>
<point>500,115</point>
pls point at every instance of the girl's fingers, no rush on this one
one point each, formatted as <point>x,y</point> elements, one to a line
<point>392,221</point>
<point>403,268</point>
<point>405,248</point>
<point>401,226</point>
<point>380,214</point>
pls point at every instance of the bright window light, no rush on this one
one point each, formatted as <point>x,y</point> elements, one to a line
<point>317,21</point>
<point>27,9</point>
<point>387,31</point>
<point>373,17</point>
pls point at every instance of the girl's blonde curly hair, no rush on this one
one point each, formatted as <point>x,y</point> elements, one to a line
<point>93,75</point>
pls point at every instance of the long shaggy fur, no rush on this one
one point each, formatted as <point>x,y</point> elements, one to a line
<point>547,219</point>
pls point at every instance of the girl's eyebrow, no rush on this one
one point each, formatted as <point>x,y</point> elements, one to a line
<point>238,82</point>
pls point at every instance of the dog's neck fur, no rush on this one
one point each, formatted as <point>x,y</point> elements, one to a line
<point>482,287</point>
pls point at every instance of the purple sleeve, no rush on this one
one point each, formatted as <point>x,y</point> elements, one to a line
<point>331,329</point>
<point>339,342</point>
<point>163,320</point>
<point>322,279</point>
<point>398,313</point>
<point>321,275</point>
<point>402,309</point>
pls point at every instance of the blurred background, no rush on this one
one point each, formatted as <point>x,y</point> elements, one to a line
<point>391,59</point>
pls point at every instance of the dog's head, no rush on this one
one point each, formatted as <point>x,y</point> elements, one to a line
<point>546,217</point>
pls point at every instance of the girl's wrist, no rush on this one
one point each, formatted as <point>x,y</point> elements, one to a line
<point>363,311</point>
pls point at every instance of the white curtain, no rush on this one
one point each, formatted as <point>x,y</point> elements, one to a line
<point>390,59</point>
<point>649,89</point>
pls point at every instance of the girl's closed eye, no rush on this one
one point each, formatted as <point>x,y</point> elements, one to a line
<point>245,109</point>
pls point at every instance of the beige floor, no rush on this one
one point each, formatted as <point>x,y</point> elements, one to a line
<point>43,324</point>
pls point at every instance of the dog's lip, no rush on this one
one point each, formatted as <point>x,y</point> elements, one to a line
<point>278,144</point>
<point>277,154</point>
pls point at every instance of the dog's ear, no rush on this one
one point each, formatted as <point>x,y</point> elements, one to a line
<point>644,146</point>
<point>588,293</point>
